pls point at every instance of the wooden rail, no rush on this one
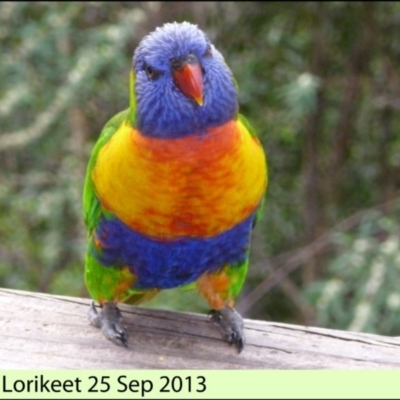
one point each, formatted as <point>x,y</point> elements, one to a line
<point>41,331</point>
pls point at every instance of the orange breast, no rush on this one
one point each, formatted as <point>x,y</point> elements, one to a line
<point>197,186</point>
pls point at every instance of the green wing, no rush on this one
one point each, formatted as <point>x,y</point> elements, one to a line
<point>91,204</point>
<point>247,124</point>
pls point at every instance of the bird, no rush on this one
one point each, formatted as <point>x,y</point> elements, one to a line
<point>174,186</point>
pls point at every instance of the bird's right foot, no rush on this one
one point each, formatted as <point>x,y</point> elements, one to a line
<point>109,321</point>
<point>231,324</point>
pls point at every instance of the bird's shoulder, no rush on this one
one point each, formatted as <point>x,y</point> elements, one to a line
<point>91,204</point>
<point>246,123</point>
<point>253,133</point>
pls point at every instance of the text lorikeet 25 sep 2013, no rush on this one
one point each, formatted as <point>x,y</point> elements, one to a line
<point>174,185</point>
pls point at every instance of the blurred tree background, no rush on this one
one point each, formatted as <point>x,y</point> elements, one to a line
<point>320,83</point>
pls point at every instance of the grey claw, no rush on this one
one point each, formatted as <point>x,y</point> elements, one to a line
<point>109,321</point>
<point>231,323</point>
<point>93,315</point>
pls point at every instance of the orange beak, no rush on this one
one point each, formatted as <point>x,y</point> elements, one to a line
<point>189,80</point>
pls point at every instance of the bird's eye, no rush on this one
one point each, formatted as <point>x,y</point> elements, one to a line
<point>150,72</point>
<point>208,52</point>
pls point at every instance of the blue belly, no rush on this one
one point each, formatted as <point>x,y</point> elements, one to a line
<point>168,264</point>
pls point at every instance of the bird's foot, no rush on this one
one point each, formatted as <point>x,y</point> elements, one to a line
<point>109,321</point>
<point>231,323</point>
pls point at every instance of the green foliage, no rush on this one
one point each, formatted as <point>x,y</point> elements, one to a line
<point>51,92</point>
<point>360,292</point>
<point>300,96</point>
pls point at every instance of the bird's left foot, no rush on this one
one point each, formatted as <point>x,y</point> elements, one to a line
<point>231,323</point>
<point>109,321</point>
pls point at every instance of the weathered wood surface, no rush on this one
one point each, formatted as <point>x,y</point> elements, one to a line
<point>40,331</point>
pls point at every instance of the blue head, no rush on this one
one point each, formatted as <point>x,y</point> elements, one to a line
<point>183,85</point>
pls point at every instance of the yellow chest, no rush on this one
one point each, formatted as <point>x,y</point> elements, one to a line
<point>197,186</point>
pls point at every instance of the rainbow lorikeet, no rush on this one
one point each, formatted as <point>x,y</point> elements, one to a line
<point>174,185</point>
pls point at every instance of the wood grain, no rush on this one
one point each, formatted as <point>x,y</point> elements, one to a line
<point>41,331</point>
